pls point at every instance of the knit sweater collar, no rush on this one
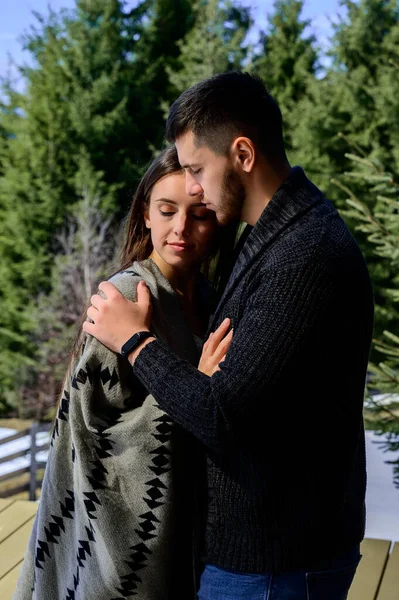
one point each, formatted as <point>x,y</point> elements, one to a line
<point>292,199</point>
<point>295,196</point>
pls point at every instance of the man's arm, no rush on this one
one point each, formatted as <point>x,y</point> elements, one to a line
<point>277,318</point>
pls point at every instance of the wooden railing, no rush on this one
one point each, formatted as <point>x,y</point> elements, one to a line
<point>33,483</point>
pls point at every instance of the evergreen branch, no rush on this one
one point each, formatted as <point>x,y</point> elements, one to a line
<point>382,408</point>
<point>344,188</point>
<point>356,146</point>
<point>363,161</point>
<point>391,336</point>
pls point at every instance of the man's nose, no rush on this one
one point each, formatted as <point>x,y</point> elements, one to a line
<point>193,188</point>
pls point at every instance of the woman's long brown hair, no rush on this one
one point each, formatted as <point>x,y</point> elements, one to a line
<point>137,237</point>
<point>137,243</point>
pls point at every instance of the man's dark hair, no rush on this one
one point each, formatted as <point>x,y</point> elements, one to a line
<point>227,105</point>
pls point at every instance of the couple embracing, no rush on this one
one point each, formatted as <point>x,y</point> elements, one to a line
<point>209,439</point>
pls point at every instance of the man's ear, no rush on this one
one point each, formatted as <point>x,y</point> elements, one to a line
<point>243,153</point>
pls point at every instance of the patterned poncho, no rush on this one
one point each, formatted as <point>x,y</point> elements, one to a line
<point>115,513</point>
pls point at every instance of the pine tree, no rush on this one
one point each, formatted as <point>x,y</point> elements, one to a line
<point>84,254</point>
<point>288,60</point>
<point>92,97</point>
<point>157,51</point>
<point>381,225</point>
<point>76,105</point>
<point>353,110</point>
<point>344,111</point>
<point>215,44</point>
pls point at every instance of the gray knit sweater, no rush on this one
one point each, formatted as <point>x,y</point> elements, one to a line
<point>107,527</point>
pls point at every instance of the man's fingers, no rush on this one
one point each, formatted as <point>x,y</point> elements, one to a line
<point>96,300</point>
<point>92,313</point>
<point>109,289</point>
<point>143,294</point>
<point>88,327</point>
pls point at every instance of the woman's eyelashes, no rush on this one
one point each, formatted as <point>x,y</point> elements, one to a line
<point>196,217</point>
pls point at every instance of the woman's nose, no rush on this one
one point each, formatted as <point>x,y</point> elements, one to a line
<point>181,224</point>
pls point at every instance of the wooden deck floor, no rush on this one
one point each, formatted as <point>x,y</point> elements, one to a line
<point>377,577</point>
<point>16,520</point>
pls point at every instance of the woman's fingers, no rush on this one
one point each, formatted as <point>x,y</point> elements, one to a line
<point>215,348</point>
<point>223,347</point>
<point>206,345</point>
<point>218,335</point>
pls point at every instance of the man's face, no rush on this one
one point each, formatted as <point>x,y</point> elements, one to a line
<point>212,177</point>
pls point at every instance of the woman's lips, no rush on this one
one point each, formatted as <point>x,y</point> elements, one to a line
<point>180,247</point>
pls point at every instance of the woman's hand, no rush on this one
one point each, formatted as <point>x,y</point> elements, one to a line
<point>215,349</point>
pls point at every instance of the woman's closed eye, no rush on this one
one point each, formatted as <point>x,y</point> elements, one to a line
<point>203,217</point>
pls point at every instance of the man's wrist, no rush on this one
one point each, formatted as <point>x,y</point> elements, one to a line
<point>134,354</point>
<point>134,341</point>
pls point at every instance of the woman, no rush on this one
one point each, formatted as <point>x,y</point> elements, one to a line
<point>115,518</point>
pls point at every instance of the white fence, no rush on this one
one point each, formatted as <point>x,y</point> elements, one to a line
<point>23,452</point>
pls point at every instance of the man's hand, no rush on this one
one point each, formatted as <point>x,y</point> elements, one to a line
<point>215,349</point>
<point>115,318</point>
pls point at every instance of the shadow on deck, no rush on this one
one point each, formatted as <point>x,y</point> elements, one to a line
<point>377,577</point>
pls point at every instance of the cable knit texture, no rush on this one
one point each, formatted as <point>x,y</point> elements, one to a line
<point>281,423</point>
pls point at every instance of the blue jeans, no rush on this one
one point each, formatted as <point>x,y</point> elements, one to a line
<point>331,582</point>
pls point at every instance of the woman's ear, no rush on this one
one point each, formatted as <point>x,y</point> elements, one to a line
<point>147,220</point>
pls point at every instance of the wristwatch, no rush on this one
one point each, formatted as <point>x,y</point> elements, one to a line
<point>135,341</point>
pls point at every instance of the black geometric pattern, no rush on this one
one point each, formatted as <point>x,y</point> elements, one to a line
<point>132,273</point>
<point>63,411</point>
<point>54,529</point>
<point>154,496</point>
<point>98,474</point>
<point>83,551</point>
<point>86,375</point>
<point>106,377</point>
<point>90,504</point>
<point>69,506</point>
<point>82,377</point>
<point>97,477</point>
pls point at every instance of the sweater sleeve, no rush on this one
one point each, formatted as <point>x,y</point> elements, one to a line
<point>276,319</point>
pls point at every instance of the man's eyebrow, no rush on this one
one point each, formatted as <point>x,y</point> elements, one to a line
<point>190,166</point>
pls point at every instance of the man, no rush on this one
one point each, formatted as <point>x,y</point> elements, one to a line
<point>281,421</point>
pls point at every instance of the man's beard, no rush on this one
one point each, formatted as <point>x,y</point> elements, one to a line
<point>232,197</point>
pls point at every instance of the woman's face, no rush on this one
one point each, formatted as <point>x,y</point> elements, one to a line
<point>182,229</point>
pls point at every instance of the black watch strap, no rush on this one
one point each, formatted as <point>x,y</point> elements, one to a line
<point>135,341</point>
